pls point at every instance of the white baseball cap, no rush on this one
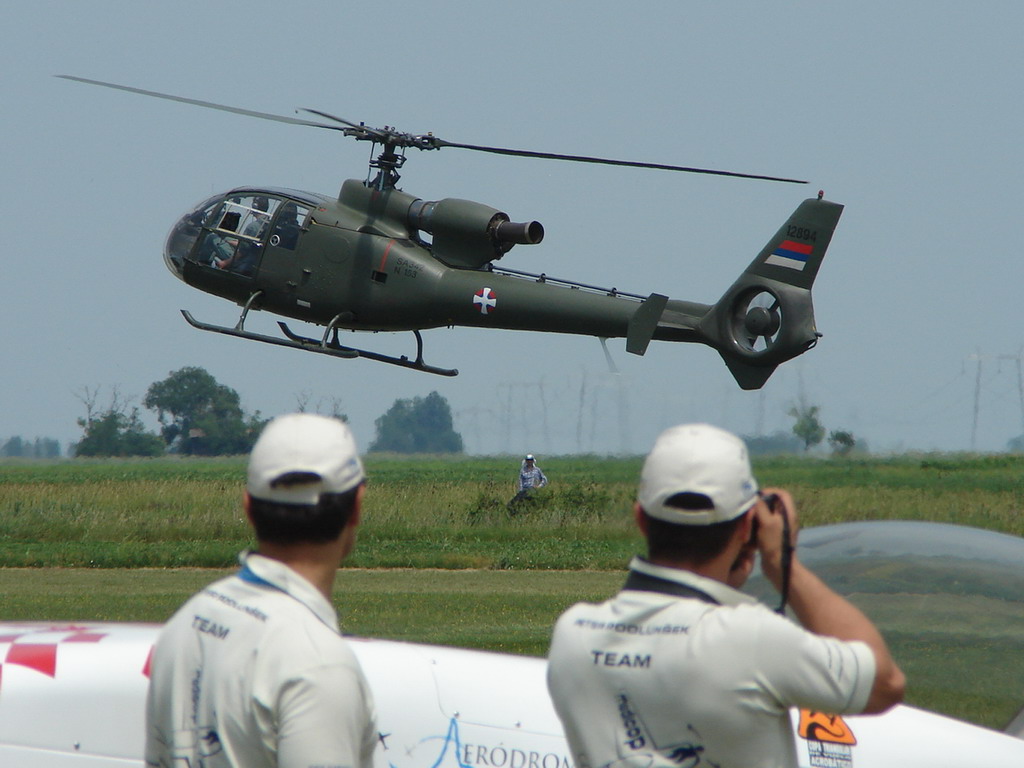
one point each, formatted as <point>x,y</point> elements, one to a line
<point>305,443</point>
<point>698,459</point>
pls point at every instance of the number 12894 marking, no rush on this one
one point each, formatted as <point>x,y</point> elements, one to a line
<point>801,233</point>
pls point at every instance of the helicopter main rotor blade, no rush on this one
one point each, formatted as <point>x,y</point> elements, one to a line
<point>393,138</point>
<point>341,120</point>
<point>607,161</point>
<point>207,104</point>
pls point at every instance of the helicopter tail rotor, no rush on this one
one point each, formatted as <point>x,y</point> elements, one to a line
<point>767,317</point>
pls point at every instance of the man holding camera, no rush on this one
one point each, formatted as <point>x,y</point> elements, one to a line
<point>682,669</point>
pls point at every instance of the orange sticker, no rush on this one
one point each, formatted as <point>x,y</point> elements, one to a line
<point>818,726</point>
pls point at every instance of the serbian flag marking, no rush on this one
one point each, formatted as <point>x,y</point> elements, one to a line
<point>790,254</point>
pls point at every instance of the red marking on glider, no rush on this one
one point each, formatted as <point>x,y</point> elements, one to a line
<point>38,656</point>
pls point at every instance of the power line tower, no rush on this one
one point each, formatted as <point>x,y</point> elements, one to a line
<point>523,402</point>
<point>981,358</point>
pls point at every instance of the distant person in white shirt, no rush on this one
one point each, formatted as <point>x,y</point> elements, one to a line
<point>529,479</point>
<point>252,671</point>
<point>680,668</point>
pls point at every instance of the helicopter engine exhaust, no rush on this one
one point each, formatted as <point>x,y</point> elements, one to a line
<point>469,234</point>
<point>526,233</point>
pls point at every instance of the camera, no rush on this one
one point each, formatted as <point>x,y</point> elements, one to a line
<point>772,501</point>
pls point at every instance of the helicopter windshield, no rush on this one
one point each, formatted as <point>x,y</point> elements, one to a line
<point>949,600</point>
<point>184,234</point>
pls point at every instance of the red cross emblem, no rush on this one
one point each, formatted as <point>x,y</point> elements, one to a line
<point>486,299</point>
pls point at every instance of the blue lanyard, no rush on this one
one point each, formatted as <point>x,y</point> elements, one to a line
<point>247,575</point>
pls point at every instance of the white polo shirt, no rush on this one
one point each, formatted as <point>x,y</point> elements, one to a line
<point>253,671</point>
<point>651,678</point>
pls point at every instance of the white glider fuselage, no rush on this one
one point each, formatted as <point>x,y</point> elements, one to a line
<point>73,695</point>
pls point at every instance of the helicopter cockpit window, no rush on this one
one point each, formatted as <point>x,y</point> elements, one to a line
<point>184,234</point>
<point>290,219</point>
<point>237,232</point>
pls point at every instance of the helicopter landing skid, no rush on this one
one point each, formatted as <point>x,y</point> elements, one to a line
<point>244,334</point>
<point>324,347</point>
<point>333,347</point>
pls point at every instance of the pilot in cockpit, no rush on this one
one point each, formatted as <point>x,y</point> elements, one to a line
<point>243,260</point>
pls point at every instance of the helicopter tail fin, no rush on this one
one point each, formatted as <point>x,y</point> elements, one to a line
<point>644,323</point>
<point>766,317</point>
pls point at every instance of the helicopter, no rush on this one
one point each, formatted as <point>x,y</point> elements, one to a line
<point>376,258</point>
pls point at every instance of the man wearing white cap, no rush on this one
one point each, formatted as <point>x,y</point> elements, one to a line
<point>529,479</point>
<point>253,671</point>
<point>682,669</point>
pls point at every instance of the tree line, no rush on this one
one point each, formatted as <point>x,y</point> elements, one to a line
<point>199,416</point>
<point>40,448</point>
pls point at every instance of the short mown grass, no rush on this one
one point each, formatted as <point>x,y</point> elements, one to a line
<point>508,611</point>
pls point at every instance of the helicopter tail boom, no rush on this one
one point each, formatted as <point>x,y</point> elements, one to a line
<point>766,317</point>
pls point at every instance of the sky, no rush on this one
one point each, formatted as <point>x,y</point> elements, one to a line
<point>907,113</point>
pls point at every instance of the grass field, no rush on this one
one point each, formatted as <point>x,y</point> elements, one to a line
<point>441,561</point>
<point>450,512</point>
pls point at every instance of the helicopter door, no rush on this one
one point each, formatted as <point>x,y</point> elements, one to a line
<point>236,234</point>
<point>281,269</point>
<point>291,219</point>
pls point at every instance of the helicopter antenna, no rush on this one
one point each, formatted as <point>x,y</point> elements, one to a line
<point>390,140</point>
